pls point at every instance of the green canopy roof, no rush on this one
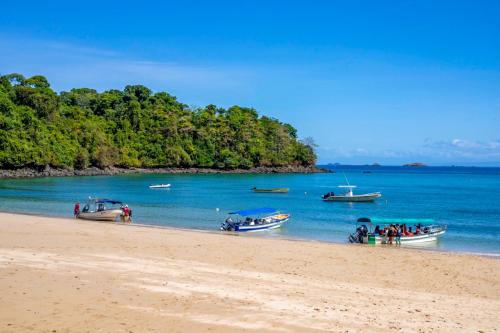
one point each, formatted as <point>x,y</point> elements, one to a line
<point>377,220</point>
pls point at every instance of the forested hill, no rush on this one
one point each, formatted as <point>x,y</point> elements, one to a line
<point>134,128</point>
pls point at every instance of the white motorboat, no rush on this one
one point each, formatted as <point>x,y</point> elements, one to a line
<point>159,186</point>
<point>414,231</point>
<point>101,210</point>
<point>249,220</point>
<point>349,196</point>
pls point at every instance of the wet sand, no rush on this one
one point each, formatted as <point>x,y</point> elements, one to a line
<point>64,275</point>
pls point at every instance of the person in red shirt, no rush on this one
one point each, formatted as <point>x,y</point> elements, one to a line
<point>126,214</point>
<point>76,210</point>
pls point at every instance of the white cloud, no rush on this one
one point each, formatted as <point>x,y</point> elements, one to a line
<point>465,147</point>
<point>68,65</point>
<point>453,151</point>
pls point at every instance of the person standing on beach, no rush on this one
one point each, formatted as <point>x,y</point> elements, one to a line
<point>129,215</point>
<point>76,210</point>
<point>390,234</point>
<point>126,213</point>
<point>398,235</point>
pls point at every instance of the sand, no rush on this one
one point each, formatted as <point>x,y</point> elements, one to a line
<point>65,275</point>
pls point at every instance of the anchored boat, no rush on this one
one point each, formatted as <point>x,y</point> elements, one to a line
<point>382,230</point>
<point>159,186</point>
<point>270,190</point>
<point>258,219</point>
<point>349,196</point>
<point>98,209</point>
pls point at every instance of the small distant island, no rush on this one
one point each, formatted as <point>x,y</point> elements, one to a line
<point>415,164</point>
<point>86,132</point>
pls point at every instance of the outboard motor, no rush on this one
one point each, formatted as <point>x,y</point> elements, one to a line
<point>352,238</point>
<point>227,225</point>
<point>327,195</point>
<point>357,237</point>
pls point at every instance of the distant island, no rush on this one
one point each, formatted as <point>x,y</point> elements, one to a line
<point>137,129</point>
<point>415,164</point>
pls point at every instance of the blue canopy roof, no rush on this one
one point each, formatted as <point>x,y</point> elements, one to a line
<point>108,201</point>
<point>255,211</point>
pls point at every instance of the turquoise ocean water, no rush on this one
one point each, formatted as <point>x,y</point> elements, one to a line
<point>467,199</point>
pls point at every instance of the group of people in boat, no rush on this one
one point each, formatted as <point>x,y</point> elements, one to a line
<point>248,221</point>
<point>394,232</point>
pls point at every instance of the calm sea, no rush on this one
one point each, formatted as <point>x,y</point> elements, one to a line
<point>466,199</point>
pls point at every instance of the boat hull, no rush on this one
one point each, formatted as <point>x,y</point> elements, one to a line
<point>105,215</point>
<point>160,186</point>
<point>271,222</point>
<point>260,227</point>
<point>354,198</point>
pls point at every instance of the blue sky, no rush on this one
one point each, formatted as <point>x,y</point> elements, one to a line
<point>371,81</point>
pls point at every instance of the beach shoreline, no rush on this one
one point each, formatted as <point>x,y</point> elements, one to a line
<point>259,235</point>
<point>70,275</point>
<point>113,171</point>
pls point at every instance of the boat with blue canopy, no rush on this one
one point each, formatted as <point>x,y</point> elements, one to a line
<point>383,230</point>
<point>257,219</point>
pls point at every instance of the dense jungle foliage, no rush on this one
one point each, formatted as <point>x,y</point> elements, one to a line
<point>134,128</point>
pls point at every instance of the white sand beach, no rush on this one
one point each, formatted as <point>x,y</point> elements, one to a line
<point>65,275</point>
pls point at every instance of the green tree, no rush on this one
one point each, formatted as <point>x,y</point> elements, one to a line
<point>135,128</point>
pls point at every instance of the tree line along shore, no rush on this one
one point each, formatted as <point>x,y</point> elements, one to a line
<point>85,132</point>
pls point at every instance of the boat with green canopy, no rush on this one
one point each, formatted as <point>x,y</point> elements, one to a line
<point>412,230</point>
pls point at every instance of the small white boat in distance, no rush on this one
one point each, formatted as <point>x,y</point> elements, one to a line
<point>159,186</point>
<point>349,196</point>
